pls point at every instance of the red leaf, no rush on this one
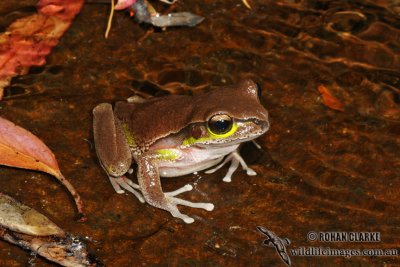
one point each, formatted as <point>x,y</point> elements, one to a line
<point>20,148</point>
<point>28,40</point>
<point>123,4</point>
<point>329,100</point>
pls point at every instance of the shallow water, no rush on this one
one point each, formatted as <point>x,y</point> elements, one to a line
<point>320,169</point>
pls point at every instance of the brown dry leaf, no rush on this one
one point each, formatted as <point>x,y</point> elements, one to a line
<point>31,230</point>
<point>329,100</point>
<point>22,219</point>
<point>27,41</point>
<point>20,148</point>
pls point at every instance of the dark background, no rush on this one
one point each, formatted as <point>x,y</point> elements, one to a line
<point>320,169</point>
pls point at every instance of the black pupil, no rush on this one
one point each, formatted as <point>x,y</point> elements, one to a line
<point>220,124</point>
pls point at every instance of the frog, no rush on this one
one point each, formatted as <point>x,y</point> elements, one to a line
<point>177,135</point>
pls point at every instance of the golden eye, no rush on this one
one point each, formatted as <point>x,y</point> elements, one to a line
<point>220,124</point>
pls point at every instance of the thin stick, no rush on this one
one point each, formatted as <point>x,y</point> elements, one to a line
<point>110,20</point>
<point>246,4</point>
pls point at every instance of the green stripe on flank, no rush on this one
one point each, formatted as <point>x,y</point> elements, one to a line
<point>128,135</point>
<point>191,140</point>
<point>167,154</point>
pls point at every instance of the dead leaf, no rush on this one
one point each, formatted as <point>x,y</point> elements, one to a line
<point>22,219</point>
<point>329,100</point>
<point>31,230</point>
<point>27,41</point>
<point>20,148</point>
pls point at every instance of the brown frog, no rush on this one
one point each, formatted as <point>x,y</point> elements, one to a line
<point>174,136</point>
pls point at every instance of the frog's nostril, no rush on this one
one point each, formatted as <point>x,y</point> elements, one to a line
<point>264,125</point>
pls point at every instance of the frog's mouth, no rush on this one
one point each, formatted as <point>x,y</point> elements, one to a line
<point>243,134</point>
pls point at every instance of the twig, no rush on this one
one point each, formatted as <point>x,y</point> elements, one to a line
<point>110,20</point>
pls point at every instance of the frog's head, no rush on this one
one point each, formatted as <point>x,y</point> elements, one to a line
<point>234,115</point>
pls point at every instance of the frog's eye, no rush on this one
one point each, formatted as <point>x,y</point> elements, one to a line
<point>220,124</point>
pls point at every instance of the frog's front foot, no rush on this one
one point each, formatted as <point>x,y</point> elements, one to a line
<point>171,206</point>
<point>235,160</point>
<point>121,183</point>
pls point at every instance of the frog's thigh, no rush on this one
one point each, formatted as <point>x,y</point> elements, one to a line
<point>111,145</point>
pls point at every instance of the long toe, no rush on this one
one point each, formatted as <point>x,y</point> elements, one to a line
<point>181,190</point>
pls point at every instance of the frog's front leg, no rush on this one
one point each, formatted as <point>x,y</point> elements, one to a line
<point>112,149</point>
<point>235,159</point>
<point>150,184</point>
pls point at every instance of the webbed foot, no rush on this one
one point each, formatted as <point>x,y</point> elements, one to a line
<point>235,160</point>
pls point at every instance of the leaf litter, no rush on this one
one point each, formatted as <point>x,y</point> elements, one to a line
<point>21,149</point>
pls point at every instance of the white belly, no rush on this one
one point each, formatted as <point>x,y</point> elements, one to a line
<point>194,159</point>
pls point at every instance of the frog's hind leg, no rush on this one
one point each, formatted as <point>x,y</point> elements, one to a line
<point>149,182</point>
<point>235,160</point>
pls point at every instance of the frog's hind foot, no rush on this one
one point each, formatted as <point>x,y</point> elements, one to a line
<point>181,190</point>
<point>120,184</point>
<point>150,184</point>
<point>235,160</point>
<point>172,203</point>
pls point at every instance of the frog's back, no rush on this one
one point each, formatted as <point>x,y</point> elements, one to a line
<point>161,116</point>
<point>155,118</point>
